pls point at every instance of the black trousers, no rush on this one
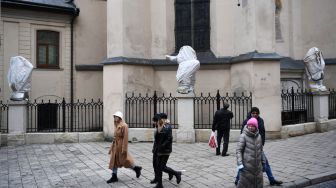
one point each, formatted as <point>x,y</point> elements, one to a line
<point>161,166</point>
<point>225,134</point>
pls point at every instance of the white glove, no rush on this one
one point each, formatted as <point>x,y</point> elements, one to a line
<point>240,167</point>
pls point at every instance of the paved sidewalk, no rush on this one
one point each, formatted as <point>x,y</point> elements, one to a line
<point>299,160</point>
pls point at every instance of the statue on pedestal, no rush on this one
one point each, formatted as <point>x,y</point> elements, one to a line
<point>314,65</point>
<point>188,65</point>
<point>19,77</point>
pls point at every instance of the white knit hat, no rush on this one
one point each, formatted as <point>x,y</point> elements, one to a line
<point>118,114</point>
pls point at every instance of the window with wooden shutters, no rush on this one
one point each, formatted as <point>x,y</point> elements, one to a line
<point>47,49</point>
<point>192,24</point>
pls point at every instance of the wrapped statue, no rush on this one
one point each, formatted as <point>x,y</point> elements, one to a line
<point>187,67</point>
<point>19,78</point>
<point>314,65</point>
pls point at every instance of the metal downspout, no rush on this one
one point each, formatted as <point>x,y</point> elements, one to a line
<point>75,14</point>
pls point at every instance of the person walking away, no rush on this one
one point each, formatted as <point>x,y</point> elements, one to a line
<point>249,156</point>
<point>119,149</point>
<point>221,123</point>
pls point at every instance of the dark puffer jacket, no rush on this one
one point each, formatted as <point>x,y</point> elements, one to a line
<point>249,154</point>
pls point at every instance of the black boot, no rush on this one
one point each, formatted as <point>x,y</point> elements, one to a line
<point>218,151</point>
<point>137,170</point>
<point>178,177</point>
<point>153,181</point>
<point>276,182</point>
<point>158,185</point>
<point>225,149</point>
<point>170,176</point>
<point>113,179</point>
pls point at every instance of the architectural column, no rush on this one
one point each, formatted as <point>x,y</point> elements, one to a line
<point>259,73</point>
<point>185,113</point>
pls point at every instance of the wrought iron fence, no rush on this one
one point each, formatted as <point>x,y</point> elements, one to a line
<point>332,104</point>
<point>139,110</point>
<point>55,116</point>
<point>3,117</point>
<point>206,106</point>
<point>297,106</point>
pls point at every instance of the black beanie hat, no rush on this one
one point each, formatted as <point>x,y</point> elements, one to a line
<point>163,116</point>
<point>255,109</point>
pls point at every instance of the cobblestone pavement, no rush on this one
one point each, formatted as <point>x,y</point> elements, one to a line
<point>85,164</point>
<point>328,184</point>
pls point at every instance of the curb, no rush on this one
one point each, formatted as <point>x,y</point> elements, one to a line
<point>311,180</point>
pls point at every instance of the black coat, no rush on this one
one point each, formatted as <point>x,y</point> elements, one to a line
<point>163,140</point>
<point>222,119</point>
<point>261,127</point>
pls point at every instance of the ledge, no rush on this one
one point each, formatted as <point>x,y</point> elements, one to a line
<point>205,58</point>
<point>89,67</point>
<point>288,63</point>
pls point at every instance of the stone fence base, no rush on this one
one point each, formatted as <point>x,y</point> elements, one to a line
<point>50,138</point>
<point>147,134</point>
<point>307,128</point>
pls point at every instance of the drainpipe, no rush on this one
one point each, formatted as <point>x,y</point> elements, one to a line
<point>75,14</point>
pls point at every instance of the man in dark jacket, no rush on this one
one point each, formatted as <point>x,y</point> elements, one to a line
<point>163,147</point>
<point>221,123</point>
<point>255,113</point>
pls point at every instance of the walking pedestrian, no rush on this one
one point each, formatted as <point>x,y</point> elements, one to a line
<point>155,120</point>
<point>163,148</point>
<point>221,123</point>
<point>255,112</point>
<point>249,156</point>
<point>119,149</point>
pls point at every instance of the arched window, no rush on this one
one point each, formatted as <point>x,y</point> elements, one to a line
<point>47,49</point>
<point>192,24</point>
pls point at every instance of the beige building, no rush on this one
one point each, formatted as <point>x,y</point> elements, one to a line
<point>52,36</point>
<point>119,46</point>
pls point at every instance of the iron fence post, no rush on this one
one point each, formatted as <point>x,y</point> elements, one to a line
<point>218,100</point>
<point>63,111</point>
<point>292,97</point>
<point>155,102</point>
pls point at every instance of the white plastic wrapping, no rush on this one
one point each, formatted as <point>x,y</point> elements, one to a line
<point>19,77</point>
<point>314,65</point>
<point>188,65</point>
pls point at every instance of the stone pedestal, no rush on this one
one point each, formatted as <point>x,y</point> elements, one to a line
<point>17,122</point>
<point>321,109</point>
<point>185,110</point>
<point>17,117</point>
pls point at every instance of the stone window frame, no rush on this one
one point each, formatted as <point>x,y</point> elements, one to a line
<point>57,27</point>
<point>57,45</point>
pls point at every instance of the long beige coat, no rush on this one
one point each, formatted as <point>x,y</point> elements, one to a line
<point>119,148</point>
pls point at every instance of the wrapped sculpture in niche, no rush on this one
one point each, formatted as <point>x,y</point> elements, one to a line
<point>19,78</point>
<point>188,65</point>
<point>314,65</point>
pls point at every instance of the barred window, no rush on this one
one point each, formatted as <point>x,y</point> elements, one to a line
<point>192,24</point>
<point>47,49</point>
